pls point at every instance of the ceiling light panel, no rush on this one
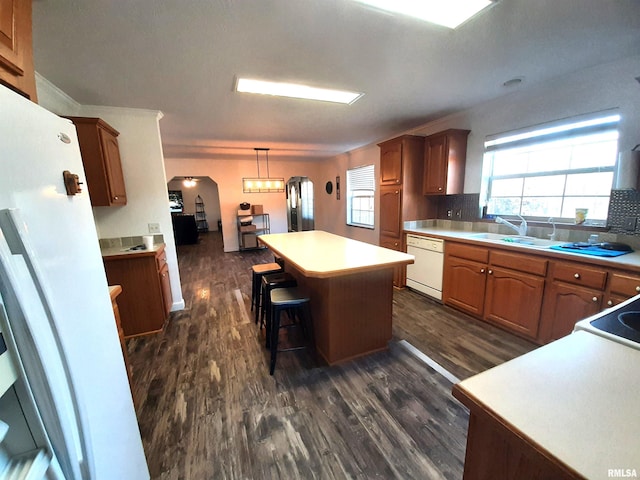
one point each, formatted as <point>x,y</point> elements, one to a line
<point>449,13</point>
<point>294,90</point>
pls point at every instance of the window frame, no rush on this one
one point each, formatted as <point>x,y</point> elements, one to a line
<point>607,123</point>
<point>364,177</point>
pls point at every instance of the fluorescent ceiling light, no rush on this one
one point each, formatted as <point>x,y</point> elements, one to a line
<point>449,13</point>
<point>293,90</point>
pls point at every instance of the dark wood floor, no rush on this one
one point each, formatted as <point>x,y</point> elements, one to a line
<point>208,409</point>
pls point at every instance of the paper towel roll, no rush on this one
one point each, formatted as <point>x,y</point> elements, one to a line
<point>148,242</point>
<point>627,171</point>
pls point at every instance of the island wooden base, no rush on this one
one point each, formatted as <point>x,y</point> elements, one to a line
<point>496,451</point>
<point>351,313</point>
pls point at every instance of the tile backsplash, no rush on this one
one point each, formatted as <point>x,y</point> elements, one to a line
<point>127,241</point>
<point>462,212</point>
<point>623,207</point>
<point>463,207</point>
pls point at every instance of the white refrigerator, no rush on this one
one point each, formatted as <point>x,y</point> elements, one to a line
<point>65,406</point>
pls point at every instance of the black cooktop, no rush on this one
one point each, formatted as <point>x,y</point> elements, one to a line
<point>623,322</point>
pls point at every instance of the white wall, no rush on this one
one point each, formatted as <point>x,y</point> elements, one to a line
<point>594,89</point>
<point>143,167</point>
<point>228,175</point>
<point>208,191</point>
<point>331,214</point>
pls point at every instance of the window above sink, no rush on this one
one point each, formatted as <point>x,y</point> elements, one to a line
<point>552,170</point>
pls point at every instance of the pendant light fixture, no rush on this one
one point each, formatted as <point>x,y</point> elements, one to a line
<point>259,184</point>
<point>189,182</point>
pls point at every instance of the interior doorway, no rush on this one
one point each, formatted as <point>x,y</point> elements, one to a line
<point>299,193</point>
<point>194,201</point>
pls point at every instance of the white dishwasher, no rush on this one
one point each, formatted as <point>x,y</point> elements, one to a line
<point>425,275</point>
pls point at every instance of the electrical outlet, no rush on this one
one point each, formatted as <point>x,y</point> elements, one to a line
<point>629,224</point>
<point>449,213</point>
<point>154,227</point>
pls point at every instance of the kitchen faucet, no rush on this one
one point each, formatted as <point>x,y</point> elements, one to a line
<point>552,236</point>
<point>522,229</point>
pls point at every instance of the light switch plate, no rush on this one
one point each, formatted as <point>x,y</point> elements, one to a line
<point>154,227</point>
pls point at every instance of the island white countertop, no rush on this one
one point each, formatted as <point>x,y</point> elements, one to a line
<point>321,254</point>
<point>577,398</point>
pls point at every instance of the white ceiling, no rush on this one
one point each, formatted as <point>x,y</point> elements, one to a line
<point>182,57</point>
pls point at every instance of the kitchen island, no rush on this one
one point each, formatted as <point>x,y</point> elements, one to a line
<point>350,284</point>
<point>568,410</point>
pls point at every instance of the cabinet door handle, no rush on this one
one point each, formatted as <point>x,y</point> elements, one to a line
<point>576,275</point>
<point>439,189</point>
<point>490,272</point>
<point>638,288</point>
<point>115,198</point>
<point>482,270</point>
<point>610,303</point>
<point>595,299</point>
<point>397,192</point>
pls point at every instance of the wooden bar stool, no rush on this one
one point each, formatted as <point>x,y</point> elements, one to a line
<point>296,303</point>
<point>269,282</point>
<point>279,260</point>
<point>257,271</point>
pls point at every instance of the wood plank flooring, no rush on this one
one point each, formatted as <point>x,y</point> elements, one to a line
<point>208,409</point>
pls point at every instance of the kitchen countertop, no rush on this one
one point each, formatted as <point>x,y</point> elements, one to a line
<point>124,251</point>
<point>630,260</point>
<point>576,398</point>
<point>321,254</point>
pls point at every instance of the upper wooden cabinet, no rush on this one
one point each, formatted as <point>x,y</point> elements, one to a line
<point>101,160</point>
<point>445,155</point>
<point>16,47</point>
<point>391,163</point>
<point>401,196</point>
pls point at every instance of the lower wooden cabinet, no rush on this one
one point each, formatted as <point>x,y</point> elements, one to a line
<point>501,288</point>
<point>567,304</point>
<point>575,291</point>
<point>534,296</point>
<point>464,284</point>
<point>496,450</point>
<point>114,291</point>
<point>399,273</point>
<point>145,301</point>
<point>514,300</point>
<point>622,285</point>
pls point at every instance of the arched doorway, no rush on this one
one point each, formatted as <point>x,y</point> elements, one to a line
<point>197,196</point>
<point>300,204</point>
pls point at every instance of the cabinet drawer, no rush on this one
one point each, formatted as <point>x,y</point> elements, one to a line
<point>461,250</point>
<point>580,275</point>
<point>521,263</point>
<point>622,284</point>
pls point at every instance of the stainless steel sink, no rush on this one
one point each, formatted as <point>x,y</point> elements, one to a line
<point>515,239</point>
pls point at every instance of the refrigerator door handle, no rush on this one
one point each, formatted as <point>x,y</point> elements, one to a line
<point>71,442</point>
